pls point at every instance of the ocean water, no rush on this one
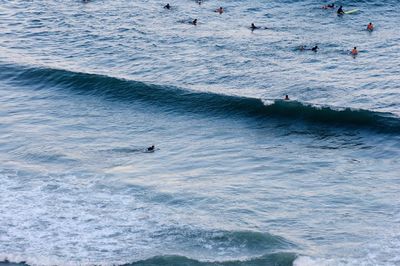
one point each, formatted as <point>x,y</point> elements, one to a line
<point>239,176</point>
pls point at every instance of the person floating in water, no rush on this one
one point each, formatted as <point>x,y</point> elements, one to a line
<point>315,48</point>
<point>220,10</point>
<point>151,148</point>
<point>354,51</point>
<point>194,22</point>
<point>340,11</point>
<point>167,6</point>
<point>287,97</point>
<point>370,27</point>
<point>329,6</point>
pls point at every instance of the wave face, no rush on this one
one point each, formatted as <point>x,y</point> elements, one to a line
<point>277,259</point>
<point>230,242</point>
<point>174,99</point>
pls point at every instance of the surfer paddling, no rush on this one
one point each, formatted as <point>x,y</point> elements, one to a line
<point>330,6</point>
<point>220,10</point>
<point>304,48</point>
<point>151,148</point>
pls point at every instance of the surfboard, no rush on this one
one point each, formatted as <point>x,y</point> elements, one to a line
<point>351,11</point>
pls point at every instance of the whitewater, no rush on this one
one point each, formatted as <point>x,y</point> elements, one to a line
<point>239,175</point>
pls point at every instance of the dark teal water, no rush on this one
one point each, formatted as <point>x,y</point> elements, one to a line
<point>239,176</point>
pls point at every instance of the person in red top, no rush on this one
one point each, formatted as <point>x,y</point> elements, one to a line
<point>354,51</point>
<point>370,27</point>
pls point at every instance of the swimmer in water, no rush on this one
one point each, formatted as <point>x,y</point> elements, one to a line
<point>304,48</point>
<point>194,22</point>
<point>287,97</point>
<point>315,48</point>
<point>151,148</point>
<point>329,6</point>
<point>253,27</point>
<point>354,51</point>
<point>340,11</point>
<point>167,6</point>
<point>370,27</point>
<point>220,10</point>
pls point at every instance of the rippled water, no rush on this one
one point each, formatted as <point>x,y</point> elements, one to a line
<point>238,177</point>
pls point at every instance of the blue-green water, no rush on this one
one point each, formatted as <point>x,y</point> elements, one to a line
<point>239,176</point>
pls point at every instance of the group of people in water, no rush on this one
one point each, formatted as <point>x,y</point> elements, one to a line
<point>340,12</point>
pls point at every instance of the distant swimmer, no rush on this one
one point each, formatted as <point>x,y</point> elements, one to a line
<point>194,22</point>
<point>340,11</point>
<point>287,97</point>
<point>254,27</point>
<point>304,48</point>
<point>354,51</point>
<point>329,6</point>
<point>85,1</point>
<point>370,27</point>
<point>167,6</point>
<point>220,10</point>
<point>151,148</point>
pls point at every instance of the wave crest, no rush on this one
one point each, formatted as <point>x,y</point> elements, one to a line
<point>173,99</point>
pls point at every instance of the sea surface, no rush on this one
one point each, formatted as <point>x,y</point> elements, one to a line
<point>238,176</point>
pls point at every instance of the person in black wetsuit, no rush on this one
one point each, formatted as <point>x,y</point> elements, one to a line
<point>315,48</point>
<point>340,10</point>
<point>167,6</point>
<point>253,27</point>
<point>194,22</point>
<point>151,148</point>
